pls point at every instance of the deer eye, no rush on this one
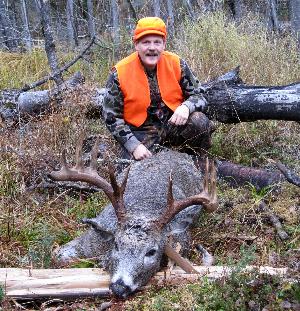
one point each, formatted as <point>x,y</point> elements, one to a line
<point>151,253</point>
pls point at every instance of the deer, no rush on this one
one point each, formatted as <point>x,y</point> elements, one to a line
<point>153,204</point>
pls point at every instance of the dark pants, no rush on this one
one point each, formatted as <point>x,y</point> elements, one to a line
<point>193,138</point>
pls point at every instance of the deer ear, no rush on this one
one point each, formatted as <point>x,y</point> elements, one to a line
<point>184,219</point>
<point>106,234</point>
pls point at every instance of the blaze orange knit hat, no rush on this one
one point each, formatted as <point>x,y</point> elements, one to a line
<point>149,26</point>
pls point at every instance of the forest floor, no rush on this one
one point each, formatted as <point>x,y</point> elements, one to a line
<point>35,220</point>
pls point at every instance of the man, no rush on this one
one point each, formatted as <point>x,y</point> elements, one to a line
<point>154,98</point>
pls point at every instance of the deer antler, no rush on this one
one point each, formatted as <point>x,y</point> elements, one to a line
<point>208,197</point>
<point>90,175</point>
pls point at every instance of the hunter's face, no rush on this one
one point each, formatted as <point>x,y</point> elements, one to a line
<point>149,49</point>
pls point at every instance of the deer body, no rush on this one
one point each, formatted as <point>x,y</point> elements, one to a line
<point>131,243</point>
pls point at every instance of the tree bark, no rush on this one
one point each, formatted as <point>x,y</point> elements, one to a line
<point>190,9</point>
<point>14,105</point>
<point>294,7</point>
<point>115,22</point>
<point>156,8</point>
<point>170,17</point>
<point>272,17</point>
<point>91,20</point>
<point>71,25</point>
<point>49,41</point>
<point>231,101</point>
<point>7,29</point>
<point>26,32</point>
<point>132,10</point>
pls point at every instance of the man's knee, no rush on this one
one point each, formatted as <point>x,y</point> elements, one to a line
<point>200,122</point>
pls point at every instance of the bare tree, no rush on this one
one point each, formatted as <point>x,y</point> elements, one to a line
<point>91,21</point>
<point>6,25</point>
<point>26,31</point>
<point>272,16</point>
<point>71,24</point>
<point>156,7</point>
<point>49,41</point>
<point>236,7</point>
<point>190,9</point>
<point>294,6</point>
<point>170,17</point>
<point>115,22</point>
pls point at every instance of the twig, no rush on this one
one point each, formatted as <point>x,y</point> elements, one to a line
<point>290,177</point>
<point>274,221</point>
<point>60,71</point>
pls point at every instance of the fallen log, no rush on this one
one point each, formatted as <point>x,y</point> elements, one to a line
<point>14,105</point>
<point>238,175</point>
<point>88,282</point>
<point>231,101</point>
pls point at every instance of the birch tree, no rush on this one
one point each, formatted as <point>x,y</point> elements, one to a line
<point>71,24</point>
<point>272,16</point>
<point>49,41</point>
<point>170,17</point>
<point>7,29</point>
<point>294,7</point>
<point>115,22</point>
<point>156,7</point>
<point>91,20</point>
<point>26,31</point>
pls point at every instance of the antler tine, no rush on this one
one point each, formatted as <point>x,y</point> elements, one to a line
<point>118,192</point>
<point>94,153</point>
<point>124,182</point>
<point>170,198</point>
<point>208,197</point>
<point>207,169</point>
<point>78,154</point>
<point>213,174</point>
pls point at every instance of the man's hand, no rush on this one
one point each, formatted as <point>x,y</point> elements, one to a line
<point>141,152</point>
<point>180,115</point>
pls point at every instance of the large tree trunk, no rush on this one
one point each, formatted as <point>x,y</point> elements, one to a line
<point>231,101</point>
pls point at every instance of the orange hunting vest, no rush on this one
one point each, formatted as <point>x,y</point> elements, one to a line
<point>135,87</point>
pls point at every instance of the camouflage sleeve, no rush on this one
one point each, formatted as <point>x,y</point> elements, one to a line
<point>192,90</point>
<point>113,107</point>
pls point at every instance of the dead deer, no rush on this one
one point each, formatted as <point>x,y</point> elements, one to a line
<point>153,203</point>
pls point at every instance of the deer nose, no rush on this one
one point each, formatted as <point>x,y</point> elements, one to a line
<point>120,289</point>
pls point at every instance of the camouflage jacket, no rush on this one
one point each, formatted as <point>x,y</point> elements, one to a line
<point>114,104</point>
